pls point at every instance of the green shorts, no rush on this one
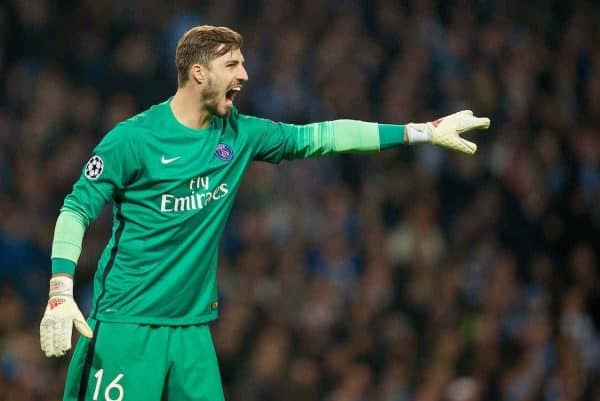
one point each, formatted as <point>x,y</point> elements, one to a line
<point>133,362</point>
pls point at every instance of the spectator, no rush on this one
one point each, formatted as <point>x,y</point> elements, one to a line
<point>412,275</point>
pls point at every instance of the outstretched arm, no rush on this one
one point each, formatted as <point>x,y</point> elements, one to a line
<point>288,141</point>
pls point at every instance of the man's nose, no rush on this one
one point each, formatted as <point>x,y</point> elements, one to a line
<point>242,74</point>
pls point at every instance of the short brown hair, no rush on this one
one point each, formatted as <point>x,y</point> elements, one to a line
<point>201,45</point>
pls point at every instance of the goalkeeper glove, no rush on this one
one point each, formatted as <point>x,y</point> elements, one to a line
<point>60,315</point>
<point>445,131</point>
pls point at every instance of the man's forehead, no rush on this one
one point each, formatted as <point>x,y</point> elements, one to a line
<point>233,54</point>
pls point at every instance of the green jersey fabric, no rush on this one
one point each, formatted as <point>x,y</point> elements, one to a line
<point>173,188</point>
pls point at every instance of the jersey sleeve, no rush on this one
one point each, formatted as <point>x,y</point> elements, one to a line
<point>275,141</point>
<point>113,165</point>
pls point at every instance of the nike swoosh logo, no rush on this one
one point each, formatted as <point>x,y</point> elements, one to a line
<point>167,161</point>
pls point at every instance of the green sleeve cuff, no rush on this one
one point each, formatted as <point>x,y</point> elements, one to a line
<point>390,135</point>
<point>60,265</point>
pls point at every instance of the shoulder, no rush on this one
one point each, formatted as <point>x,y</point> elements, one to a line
<point>137,127</point>
<point>147,119</point>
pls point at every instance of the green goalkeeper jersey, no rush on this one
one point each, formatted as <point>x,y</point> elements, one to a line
<point>173,188</point>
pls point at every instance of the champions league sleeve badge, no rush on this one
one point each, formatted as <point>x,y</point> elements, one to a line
<point>94,167</point>
<point>224,152</point>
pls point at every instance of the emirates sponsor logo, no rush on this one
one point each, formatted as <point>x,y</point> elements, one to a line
<point>201,195</point>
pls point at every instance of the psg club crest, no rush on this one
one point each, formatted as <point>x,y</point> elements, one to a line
<point>94,167</point>
<point>224,152</point>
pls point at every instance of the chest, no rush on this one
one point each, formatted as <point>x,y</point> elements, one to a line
<point>185,162</point>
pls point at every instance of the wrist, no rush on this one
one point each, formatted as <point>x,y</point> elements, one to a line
<point>61,285</point>
<point>418,133</point>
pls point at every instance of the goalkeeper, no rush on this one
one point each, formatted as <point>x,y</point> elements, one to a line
<point>172,173</point>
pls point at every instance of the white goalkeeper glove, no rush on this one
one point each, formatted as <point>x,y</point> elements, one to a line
<point>446,131</point>
<point>61,314</point>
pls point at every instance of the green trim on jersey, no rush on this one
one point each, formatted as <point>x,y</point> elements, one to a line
<point>390,135</point>
<point>173,188</point>
<point>60,265</point>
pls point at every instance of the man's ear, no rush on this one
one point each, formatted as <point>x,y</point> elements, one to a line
<point>198,73</point>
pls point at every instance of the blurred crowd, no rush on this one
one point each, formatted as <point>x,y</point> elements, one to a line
<point>414,274</point>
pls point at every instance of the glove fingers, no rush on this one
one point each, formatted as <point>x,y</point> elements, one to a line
<point>481,122</point>
<point>55,336</point>
<point>473,123</point>
<point>66,338</point>
<point>467,146</point>
<point>44,337</point>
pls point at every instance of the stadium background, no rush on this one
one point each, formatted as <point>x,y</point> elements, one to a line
<point>414,274</point>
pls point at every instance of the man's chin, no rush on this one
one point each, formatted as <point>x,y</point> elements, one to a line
<point>226,107</point>
<point>222,110</point>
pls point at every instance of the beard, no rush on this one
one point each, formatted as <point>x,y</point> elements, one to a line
<point>213,98</point>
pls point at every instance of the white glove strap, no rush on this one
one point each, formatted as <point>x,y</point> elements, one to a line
<point>418,133</point>
<point>61,285</point>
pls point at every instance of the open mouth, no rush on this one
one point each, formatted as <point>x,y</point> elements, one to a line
<point>232,93</point>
